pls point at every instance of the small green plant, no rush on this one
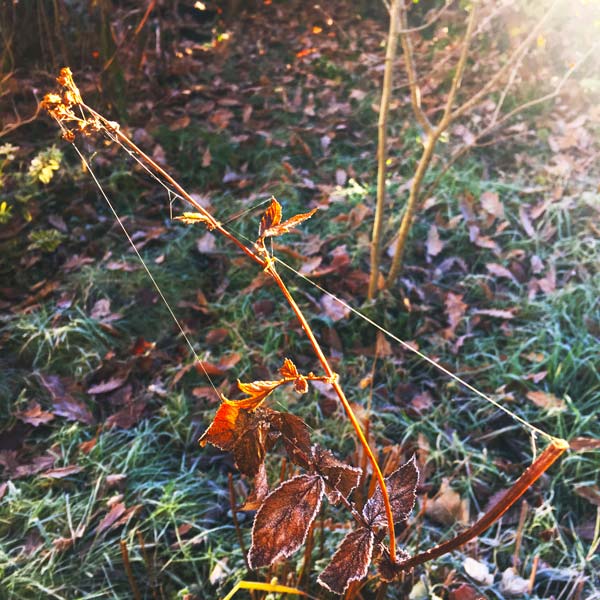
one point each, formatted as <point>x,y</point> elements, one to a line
<point>250,430</point>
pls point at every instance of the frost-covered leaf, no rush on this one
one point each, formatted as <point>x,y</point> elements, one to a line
<point>350,562</point>
<point>282,522</point>
<point>401,486</point>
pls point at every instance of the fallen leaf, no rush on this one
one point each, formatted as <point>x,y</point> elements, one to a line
<point>109,519</point>
<point>61,472</point>
<point>478,571</point>
<point>465,592</point>
<point>108,386</point>
<point>447,507</point>
<point>500,271</point>
<point>434,244</point>
<point>64,404</point>
<point>546,400</point>
<point>490,202</point>
<point>34,415</point>
<point>512,584</point>
<point>206,158</point>
<point>333,309</point>
<point>455,309</point>
<point>583,444</point>
<point>590,492</point>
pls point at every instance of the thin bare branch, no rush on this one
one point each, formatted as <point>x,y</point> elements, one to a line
<point>516,55</point>
<point>409,65</point>
<point>460,67</point>
<point>384,109</point>
<point>431,21</point>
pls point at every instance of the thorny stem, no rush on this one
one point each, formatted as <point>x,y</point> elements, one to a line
<point>267,264</point>
<point>545,460</point>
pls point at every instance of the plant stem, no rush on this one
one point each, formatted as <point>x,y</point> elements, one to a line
<point>268,266</point>
<point>546,459</point>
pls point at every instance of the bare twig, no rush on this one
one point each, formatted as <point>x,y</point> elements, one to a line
<point>411,71</point>
<point>384,109</point>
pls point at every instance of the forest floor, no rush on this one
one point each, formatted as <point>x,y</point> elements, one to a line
<point>102,403</point>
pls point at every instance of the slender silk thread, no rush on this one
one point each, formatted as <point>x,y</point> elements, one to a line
<point>404,344</point>
<point>148,272</point>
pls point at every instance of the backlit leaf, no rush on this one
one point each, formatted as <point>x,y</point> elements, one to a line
<point>289,370</point>
<point>189,218</point>
<point>282,522</point>
<point>350,562</point>
<point>288,225</point>
<point>270,218</point>
<point>402,486</point>
<point>258,390</point>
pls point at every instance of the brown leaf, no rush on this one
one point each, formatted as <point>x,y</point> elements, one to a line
<point>500,271</point>
<point>206,158</point>
<point>295,436</point>
<point>243,429</point>
<point>340,478</point>
<point>447,507</point>
<point>61,472</point>
<point>282,522</point>
<point>490,202</point>
<point>434,244</point>
<point>495,312</point>
<point>402,487</point>
<point>64,404</point>
<point>590,492</point>
<point>350,562</point>
<point>270,218</point>
<point>455,309</point>
<point>126,417</point>
<point>546,400</point>
<point>109,519</point>
<point>34,415</point>
<point>583,444</point>
<point>333,309</point>
<point>221,117</point>
<point>108,386</point>
<point>259,491</point>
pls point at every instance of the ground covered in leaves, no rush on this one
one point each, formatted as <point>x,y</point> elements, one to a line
<point>102,403</point>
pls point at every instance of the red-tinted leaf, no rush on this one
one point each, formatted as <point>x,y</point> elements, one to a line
<point>128,416</point>
<point>251,446</point>
<point>271,218</point>
<point>341,478</point>
<point>350,562</point>
<point>402,486</point>
<point>282,522</point>
<point>230,417</point>
<point>288,225</point>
